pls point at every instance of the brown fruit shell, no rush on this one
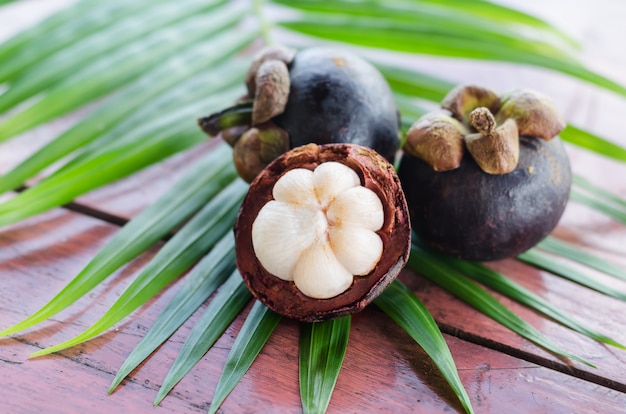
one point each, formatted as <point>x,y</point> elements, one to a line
<point>283,296</point>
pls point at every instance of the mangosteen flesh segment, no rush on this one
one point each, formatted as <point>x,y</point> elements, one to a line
<point>319,230</point>
<point>472,215</point>
<point>337,97</point>
<point>322,231</point>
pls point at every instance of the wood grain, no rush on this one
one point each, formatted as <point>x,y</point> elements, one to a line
<point>384,370</point>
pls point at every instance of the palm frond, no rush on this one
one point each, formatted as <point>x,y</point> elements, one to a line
<point>115,69</point>
<point>441,34</point>
<point>258,327</point>
<point>208,275</point>
<point>439,271</point>
<point>40,75</point>
<point>62,28</point>
<point>224,307</point>
<point>506,286</point>
<point>408,311</point>
<point>126,111</point>
<point>194,190</point>
<point>544,261</point>
<point>322,349</point>
<point>170,135</point>
<point>591,199</point>
<point>592,142</point>
<point>565,250</point>
<point>192,242</point>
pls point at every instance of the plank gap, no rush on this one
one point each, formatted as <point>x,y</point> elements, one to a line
<point>565,368</point>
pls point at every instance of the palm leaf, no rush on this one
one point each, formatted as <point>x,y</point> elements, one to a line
<point>401,305</point>
<point>258,327</point>
<point>593,143</point>
<point>119,114</point>
<point>224,307</point>
<point>171,134</point>
<point>209,274</point>
<point>442,38</point>
<point>322,349</point>
<point>611,209</point>
<point>452,19</point>
<point>547,262</point>
<point>117,69</point>
<point>414,83</point>
<point>48,72</point>
<point>506,286</point>
<point>189,91</point>
<point>187,196</point>
<point>59,30</point>
<point>192,242</point>
<point>568,251</point>
<point>440,272</point>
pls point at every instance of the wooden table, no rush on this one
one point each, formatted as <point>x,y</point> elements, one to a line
<point>384,370</point>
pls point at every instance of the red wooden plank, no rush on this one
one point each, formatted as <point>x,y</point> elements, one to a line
<point>591,308</point>
<point>384,370</point>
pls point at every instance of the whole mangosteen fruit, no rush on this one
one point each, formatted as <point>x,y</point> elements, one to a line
<point>317,95</point>
<point>486,178</point>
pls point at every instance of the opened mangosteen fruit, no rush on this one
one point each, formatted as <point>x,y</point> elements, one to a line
<point>317,95</point>
<point>487,177</point>
<point>323,230</point>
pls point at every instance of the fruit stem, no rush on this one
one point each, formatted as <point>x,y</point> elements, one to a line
<point>483,121</point>
<point>237,115</point>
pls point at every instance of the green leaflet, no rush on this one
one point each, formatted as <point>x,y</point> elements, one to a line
<point>410,111</point>
<point>475,10</point>
<point>119,114</point>
<point>394,38</point>
<point>192,242</point>
<point>605,206</point>
<point>439,272</point>
<point>322,349</point>
<point>392,35</point>
<point>171,134</point>
<point>62,28</point>
<point>119,67</point>
<point>203,181</point>
<point>544,261</point>
<point>506,286</point>
<point>222,309</point>
<point>418,84</point>
<point>408,311</point>
<point>193,89</point>
<point>435,18</point>
<point>599,193</point>
<point>593,143</point>
<point>256,330</point>
<point>557,247</point>
<point>601,200</point>
<point>202,281</point>
<point>96,47</point>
